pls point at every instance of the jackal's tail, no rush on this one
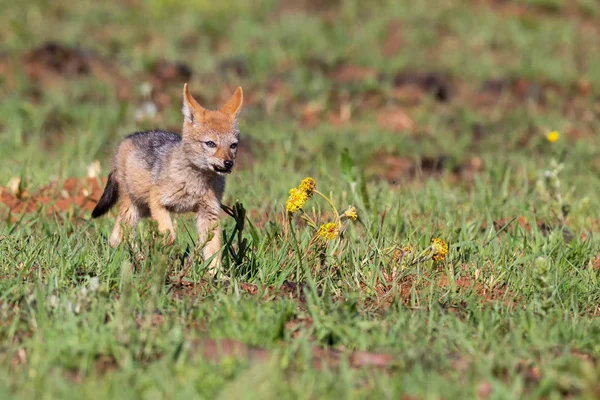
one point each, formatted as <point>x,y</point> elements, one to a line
<point>109,197</point>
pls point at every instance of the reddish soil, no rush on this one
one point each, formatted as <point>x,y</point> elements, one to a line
<point>394,39</point>
<point>75,194</point>
<point>395,169</point>
<point>466,284</point>
<point>347,73</point>
<point>394,288</point>
<point>215,350</point>
<point>535,11</point>
<point>52,64</point>
<point>290,290</point>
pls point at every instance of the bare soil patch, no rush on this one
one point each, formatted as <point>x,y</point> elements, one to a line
<point>216,350</point>
<point>77,194</point>
<point>53,63</point>
<point>395,168</point>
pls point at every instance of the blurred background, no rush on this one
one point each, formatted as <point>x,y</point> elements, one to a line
<point>414,89</point>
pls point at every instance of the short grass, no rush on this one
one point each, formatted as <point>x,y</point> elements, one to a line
<point>510,313</point>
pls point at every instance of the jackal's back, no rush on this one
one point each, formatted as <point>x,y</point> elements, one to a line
<point>152,148</point>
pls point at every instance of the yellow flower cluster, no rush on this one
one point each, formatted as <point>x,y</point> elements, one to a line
<point>402,252</point>
<point>553,136</point>
<point>407,256</point>
<point>299,195</point>
<point>308,186</point>
<point>329,231</point>
<point>296,200</point>
<point>350,213</point>
<point>440,249</point>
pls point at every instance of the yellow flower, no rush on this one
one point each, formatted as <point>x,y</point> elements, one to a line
<point>350,213</point>
<point>329,231</point>
<point>440,249</point>
<point>408,249</point>
<point>296,200</point>
<point>308,185</point>
<point>402,252</point>
<point>553,136</point>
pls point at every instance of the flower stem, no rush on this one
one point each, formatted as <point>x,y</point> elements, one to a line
<point>335,211</point>
<point>309,220</point>
<point>296,248</point>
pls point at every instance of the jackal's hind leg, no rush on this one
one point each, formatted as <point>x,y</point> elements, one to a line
<point>129,214</point>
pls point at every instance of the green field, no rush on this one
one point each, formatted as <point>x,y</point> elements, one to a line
<point>431,117</point>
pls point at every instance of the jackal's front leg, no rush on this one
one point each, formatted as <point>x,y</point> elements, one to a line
<point>209,235</point>
<point>163,218</point>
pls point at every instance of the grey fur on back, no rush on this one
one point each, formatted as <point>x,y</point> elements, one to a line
<point>153,147</point>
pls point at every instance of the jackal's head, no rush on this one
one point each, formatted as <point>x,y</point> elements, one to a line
<point>210,138</point>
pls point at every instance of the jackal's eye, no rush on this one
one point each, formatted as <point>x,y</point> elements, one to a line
<point>210,144</point>
<point>233,146</point>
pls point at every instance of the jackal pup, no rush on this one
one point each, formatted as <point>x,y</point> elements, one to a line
<point>157,173</point>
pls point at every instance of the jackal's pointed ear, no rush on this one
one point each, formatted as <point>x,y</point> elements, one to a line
<point>191,110</point>
<point>234,104</point>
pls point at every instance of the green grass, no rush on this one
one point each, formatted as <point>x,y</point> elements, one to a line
<point>511,312</point>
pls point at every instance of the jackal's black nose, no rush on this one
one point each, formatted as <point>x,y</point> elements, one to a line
<point>228,164</point>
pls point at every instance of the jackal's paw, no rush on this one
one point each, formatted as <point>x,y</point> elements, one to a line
<point>214,270</point>
<point>114,240</point>
<point>217,274</point>
<point>169,238</point>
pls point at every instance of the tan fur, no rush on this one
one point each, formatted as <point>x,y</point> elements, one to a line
<point>161,215</point>
<point>191,177</point>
